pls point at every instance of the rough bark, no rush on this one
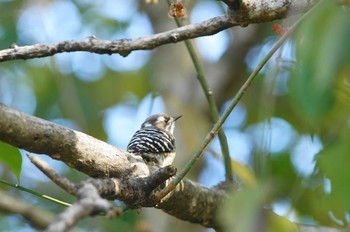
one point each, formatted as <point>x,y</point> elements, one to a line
<point>78,150</point>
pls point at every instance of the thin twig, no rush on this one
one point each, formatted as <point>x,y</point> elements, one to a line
<point>171,186</point>
<point>58,179</point>
<point>89,203</point>
<point>35,193</point>
<point>211,101</point>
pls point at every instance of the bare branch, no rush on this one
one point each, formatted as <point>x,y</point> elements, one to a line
<point>122,46</point>
<point>251,11</point>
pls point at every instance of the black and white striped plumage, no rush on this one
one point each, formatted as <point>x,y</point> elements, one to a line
<point>155,141</point>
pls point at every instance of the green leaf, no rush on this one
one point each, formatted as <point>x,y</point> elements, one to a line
<point>323,53</point>
<point>332,162</point>
<point>244,211</point>
<point>11,156</point>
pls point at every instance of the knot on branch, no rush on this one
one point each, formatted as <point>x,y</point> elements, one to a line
<point>136,192</point>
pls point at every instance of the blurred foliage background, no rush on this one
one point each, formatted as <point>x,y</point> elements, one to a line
<point>288,137</point>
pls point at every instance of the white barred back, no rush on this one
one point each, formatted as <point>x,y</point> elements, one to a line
<point>151,140</point>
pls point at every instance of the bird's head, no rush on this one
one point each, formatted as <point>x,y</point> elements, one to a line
<point>161,121</point>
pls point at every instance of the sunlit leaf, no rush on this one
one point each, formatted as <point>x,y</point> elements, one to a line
<point>244,173</point>
<point>278,223</point>
<point>12,158</point>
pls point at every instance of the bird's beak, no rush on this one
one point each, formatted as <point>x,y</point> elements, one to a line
<point>177,117</point>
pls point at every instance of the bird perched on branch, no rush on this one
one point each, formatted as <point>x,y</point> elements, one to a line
<point>155,141</point>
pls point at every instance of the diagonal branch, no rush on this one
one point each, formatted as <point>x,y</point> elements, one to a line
<point>251,12</point>
<point>211,102</point>
<point>61,181</point>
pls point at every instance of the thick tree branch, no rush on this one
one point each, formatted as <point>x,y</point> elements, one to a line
<point>200,206</point>
<point>192,201</point>
<point>78,150</point>
<point>251,11</point>
<point>134,191</point>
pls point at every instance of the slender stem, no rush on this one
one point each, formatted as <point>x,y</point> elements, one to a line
<point>235,100</point>
<point>212,105</point>
<point>35,193</point>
